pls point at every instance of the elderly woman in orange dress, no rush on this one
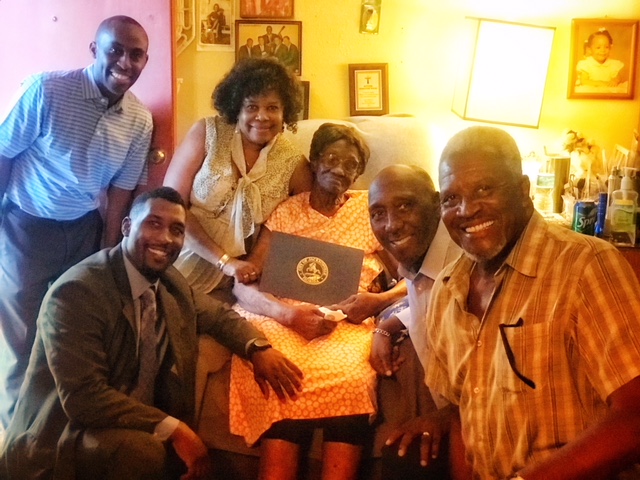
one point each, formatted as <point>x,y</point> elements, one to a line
<point>338,391</point>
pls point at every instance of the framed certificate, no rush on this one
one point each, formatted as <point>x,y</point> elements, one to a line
<point>368,89</point>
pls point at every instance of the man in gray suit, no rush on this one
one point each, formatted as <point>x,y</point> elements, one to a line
<point>79,414</point>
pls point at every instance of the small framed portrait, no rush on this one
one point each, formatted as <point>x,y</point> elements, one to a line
<point>370,16</point>
<point>215,21</point>
<point>368,89</point>
<point>277,39</point>
<point>603,58</point>
<point>266,8</point>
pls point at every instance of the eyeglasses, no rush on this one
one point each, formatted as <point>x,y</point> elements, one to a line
<point>510,356</point>
<point>331,160</point>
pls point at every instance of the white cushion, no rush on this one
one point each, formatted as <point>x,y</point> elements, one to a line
<point>392,139</point>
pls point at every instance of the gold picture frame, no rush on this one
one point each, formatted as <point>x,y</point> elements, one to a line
<point>590,76</point>
<point>261,36</point>
<point>368,89</point>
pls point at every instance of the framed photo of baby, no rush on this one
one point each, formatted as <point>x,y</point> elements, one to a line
<point>603,58</point>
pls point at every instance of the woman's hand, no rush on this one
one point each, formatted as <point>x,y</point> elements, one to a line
<point>308,321</point>
<point>241,270</point>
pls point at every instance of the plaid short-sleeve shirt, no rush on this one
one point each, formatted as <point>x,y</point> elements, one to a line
<point>566,309</point>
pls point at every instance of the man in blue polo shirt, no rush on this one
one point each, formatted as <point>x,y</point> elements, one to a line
<point>68,137</point>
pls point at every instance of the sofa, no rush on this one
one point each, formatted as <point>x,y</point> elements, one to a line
<point>392,139</point>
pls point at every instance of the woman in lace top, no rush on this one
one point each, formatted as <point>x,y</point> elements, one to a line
<point>234,169</point>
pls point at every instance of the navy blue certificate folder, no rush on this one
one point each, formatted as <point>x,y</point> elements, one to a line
<point>310,270</point>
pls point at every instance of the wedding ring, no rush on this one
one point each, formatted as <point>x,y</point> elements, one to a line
<point>426,434</point>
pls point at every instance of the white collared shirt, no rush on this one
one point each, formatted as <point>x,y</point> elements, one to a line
<point>441,252</point>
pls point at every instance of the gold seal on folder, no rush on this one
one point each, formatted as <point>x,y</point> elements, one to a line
<point>312,270</point>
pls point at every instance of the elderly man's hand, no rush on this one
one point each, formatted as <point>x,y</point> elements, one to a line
<point>384,356</point>
<point>430,428</point>
<point>361,306</point>
<point>270,367</point>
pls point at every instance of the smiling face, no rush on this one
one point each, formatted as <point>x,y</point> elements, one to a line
<point>404,213</point>
<point>154,236</point>
<point>120,52</point>
<point>337,167</point>
<point>485,206</point>
<point>261,119</point>
<point>600,48</point>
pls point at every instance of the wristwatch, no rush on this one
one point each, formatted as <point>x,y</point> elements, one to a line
<point>257,345</point>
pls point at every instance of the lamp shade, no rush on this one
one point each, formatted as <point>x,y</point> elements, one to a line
<point>502,79</point>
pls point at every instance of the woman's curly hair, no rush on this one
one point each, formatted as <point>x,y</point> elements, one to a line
<point>257,76</point>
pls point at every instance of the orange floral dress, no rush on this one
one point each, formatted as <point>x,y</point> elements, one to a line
<point>338,379</point>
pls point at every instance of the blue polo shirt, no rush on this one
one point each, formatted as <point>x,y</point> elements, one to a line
<point>67,145</point>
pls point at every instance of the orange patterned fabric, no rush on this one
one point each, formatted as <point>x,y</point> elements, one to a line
<point>338,379</point>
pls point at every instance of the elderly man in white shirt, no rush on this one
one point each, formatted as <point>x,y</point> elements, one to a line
<point>404,210</point>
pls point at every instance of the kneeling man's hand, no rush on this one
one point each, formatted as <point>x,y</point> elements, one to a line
<point>192,451</point>
<point>270,367</point>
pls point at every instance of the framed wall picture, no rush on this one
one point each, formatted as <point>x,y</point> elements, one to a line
<point>278,39</point>
<point>603,58</point>
<point>368,89</point>
<point>266,8</point>
<point>304,113</point>
<point>215,22</point>
<point>370,16</point>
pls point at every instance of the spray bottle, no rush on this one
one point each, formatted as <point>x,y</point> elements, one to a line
<point>623,211</point>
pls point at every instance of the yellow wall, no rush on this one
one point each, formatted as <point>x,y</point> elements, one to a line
<point>421,42</point>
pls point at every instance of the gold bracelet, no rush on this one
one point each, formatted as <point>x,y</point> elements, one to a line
<point>382,332</point>
<point>224,259</point>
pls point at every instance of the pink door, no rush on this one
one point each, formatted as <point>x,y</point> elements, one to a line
<point>41,35</point>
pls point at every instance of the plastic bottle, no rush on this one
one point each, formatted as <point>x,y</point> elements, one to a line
<point>623,211</point>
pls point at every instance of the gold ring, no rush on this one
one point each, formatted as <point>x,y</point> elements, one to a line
<point>426,434</point>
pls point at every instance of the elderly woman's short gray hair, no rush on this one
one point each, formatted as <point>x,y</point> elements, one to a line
<point>329,133</point>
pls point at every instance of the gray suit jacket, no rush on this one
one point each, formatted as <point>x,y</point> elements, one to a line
<point>84,364</point>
